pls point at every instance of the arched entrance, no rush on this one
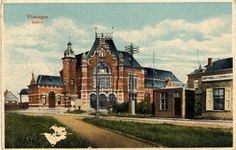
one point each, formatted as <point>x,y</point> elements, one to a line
<point>102,101</point>
<point>51,99</point>
<point>111,99</point>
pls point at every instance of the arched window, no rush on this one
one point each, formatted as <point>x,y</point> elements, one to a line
<point>102,53</point>
<point>93,102</point>
<point>104,75</point>
<point>147,97</point>
<point>111,99</point>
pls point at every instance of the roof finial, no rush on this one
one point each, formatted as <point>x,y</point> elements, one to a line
<point>112,28</point>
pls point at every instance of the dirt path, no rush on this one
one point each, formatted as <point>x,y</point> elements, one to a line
<point>99,137</point>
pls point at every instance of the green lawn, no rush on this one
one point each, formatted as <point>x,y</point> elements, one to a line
<point>123,114</point>
<point>23,131</point>
<point>170,135</point>
<point>75,112</point>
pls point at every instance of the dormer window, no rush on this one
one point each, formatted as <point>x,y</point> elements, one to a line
<point>102,53</point>
<point>50,79</point>
<point>72,82</point>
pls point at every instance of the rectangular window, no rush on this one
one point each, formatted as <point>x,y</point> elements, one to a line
<point>102,82</point>
<point>196,84</point>
<point>218,101</point>
<point>72,81</point>
<point>177,94</point>
<point>163,103</point>
<point>59,99</point>
<point>107,82</point>
<point>133,82</point>
<point>94,82</point>
<point>44,99</point>
<point>64,81</point>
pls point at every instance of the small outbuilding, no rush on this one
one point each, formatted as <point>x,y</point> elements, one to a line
<point>11,101</point>
<point>171,102</point>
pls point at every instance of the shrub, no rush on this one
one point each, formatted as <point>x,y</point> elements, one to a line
<point>143,108</point>
<point>140,108</point>
<point>123,107</point>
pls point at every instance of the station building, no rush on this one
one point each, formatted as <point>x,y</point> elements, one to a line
<point>120,76</point>
<point>213,85</point>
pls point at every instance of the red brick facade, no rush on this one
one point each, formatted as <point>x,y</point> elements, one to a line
<point>78,79</point>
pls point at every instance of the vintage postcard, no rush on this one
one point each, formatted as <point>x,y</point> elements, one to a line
<point>119,74</point>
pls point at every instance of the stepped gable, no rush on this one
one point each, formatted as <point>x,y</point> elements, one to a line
<point>49,80</point>
<point>114,51</point>
<point>109,43</point>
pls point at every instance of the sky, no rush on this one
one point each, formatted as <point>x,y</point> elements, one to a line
<point>182,35</point>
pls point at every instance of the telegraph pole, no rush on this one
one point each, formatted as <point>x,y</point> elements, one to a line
<point>132,50</point>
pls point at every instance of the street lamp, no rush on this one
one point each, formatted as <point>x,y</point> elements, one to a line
<point>97,86</point>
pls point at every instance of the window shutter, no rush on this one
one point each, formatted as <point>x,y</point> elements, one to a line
<point>209,99</point>
<point>228,101</point>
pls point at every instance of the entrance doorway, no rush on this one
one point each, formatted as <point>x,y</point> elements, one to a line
<point>51,99</point>
<point>178,106</point>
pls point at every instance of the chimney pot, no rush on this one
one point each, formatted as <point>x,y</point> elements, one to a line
<point>209,62</point>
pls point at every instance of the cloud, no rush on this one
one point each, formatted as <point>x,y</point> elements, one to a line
<point>214,44</point>
<point>100,28</point>
<point>37,47</point>
<point>44,35</point>
<point>68,25</point>
<point>40,47</point>
<point>169,26</point>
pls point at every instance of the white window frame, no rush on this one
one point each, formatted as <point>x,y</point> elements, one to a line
<point>227,99</point>
<point>196,84</point>
<point>72,81</point>
<point>165,100</point>
<point>177,94</point>
<point>133,83</point>
<point>219,96</point>
<point>64,81</point>
<point>58,98</point>
<point>44,99</point>
<point>102,53</point>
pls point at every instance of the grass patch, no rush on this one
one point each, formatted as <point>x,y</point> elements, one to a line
<point>23,131</point>
<point>170,135</point>
<point>76,111</point>
<point>123,114</point>
<point>129,115</point>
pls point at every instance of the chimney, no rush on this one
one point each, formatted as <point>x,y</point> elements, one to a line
<point>209,62</point>
<point>5,93</point>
